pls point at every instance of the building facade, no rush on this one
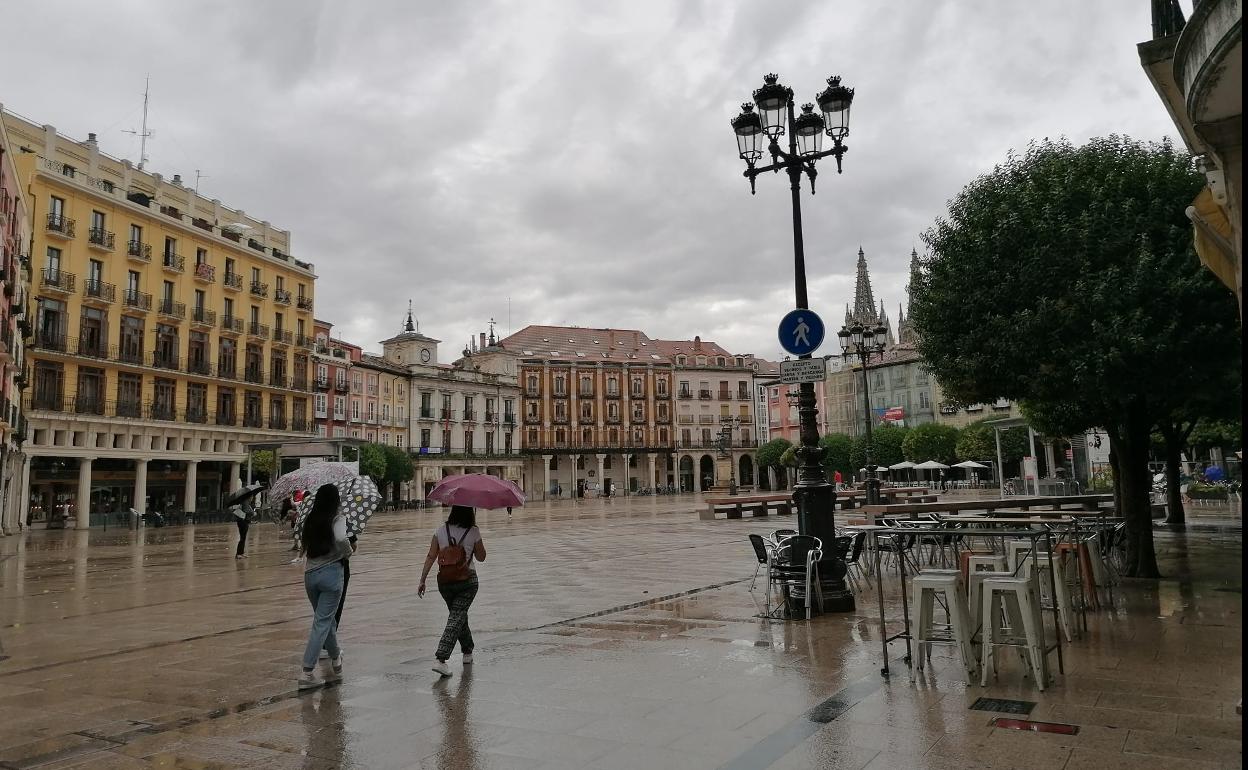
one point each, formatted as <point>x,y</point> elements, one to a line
<point>597,407</point>
<point>382,389</point>
<point>168,330</point>
<point>715,431</point>
<point>14,284</point>
<point>332,360</point>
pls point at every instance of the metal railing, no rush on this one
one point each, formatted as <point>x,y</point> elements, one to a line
<point>233,281</point>
<point>172,309</point>
<point>101,238</point>
<point>59,280</point>
<point>256,329</point>
<point>201,315</point>
<point>174,262</point>
<point>282,296</point>
<point>232,324</point>
<point>139,250</point>
<point>136,299</point>
<point>98,290</point>
<point>61,224</point>
<point>205,272</point>
<point>259,289</point>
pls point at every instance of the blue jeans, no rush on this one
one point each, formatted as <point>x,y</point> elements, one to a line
<point>324,587</point>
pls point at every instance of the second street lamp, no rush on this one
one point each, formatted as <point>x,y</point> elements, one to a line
<point>865,343</point>
<point>814,495</point>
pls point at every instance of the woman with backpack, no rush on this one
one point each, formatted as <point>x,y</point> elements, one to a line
<point>324,545</point>
<point>456,547</point>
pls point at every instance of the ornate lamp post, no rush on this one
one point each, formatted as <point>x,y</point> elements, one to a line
<point>725,449</point>
<point>814,495</point>
<point>865,344</point>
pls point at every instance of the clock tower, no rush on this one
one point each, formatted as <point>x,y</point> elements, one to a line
<point>409,347</point>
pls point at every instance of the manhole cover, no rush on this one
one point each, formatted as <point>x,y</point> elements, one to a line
<point>1003,705</point>
<point>1036,727</point>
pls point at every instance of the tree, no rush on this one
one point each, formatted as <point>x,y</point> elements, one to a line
<point>1065,279</point>
<point>399,468</point>
<point>373,463</point>
<point>837,452</point>
<point>263,463</point>
<point>789,458</point>
<point>931,441</point>
<point>771,454</point>
<point>978,441</point>
<point>885,447</point>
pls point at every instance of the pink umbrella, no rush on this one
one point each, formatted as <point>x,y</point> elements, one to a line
<point>477,490</point>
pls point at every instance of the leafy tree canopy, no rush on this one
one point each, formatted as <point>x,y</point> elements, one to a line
<point>978,442</point>
<point>373,463</point>
<point>931,441</point>
<point>789,458</point>
<point>837,453</point>
<point>770,454</point>
<point>263,462</point>
<point>399,467</point>
<point>885,447</point>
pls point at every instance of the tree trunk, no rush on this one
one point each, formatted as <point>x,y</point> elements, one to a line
<point>1174,436</point>
<point>1131,449</point>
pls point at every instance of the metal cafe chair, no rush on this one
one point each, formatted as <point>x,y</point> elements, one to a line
<point>796,566</point>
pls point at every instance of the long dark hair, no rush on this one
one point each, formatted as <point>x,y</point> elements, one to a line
<point>462,516</point>
<point>318,529</point>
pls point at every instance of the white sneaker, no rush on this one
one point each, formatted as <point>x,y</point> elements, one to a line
<point>468,659</point>
<point>441,668</point>
<point>308,680</point>
<point>324,654</point>
<point>336,664</point>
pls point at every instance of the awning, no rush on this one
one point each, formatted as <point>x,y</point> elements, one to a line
<point>1212,237</point>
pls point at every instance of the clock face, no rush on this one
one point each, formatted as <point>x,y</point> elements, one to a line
<point>424,355</point>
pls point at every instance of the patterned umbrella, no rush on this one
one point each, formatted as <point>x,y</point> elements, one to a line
<point>358,498</point>
<point>310,477</point>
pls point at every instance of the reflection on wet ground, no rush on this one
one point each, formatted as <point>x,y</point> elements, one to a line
<point>611,634</point>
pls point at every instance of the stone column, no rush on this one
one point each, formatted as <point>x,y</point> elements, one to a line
<point>572,482</point>
<point>23,505</point>
<point>546,474</point>
<point>82,512</point>
<point>602,484</point>
<point>1050,458</point>
<point>192,476</point>
<point>697,475</point>
<point>140,486</point>
<point>650,460</point>
<point>236,481</point>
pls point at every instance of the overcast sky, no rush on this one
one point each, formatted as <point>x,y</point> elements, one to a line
<point>575,157</point>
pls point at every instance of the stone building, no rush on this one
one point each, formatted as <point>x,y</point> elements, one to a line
<point>15,233</point>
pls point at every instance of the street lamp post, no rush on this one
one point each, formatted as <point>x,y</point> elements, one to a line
<point>865,344</point>
<point>725,450</point>
<point>814,495</point>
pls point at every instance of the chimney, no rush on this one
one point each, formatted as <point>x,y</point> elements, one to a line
<point>177,179</point>
<point>482,339</point>
<point>91,139</point>
<point>697,342</point>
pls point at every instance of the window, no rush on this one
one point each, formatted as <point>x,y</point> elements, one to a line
<point>201,256</point>
<point>229,267</point>
<point>613,386</point>
<point>561,385</point>
<point>53,264</point>
<point>468,442</point>
<point>166,292</point>
<point>424,438</point>
<point>129,395</point>
<point>489,442</point>
<point>166,354</point>
<point>132,282</point>
<point>197,353</point>
<point>97,224</point>
<point>171,248</point>
<point>319,404</point>
<point>399,440</point>
<point>56,212</point>
<point>507,442</point>
<point>136,238</point>
<point>532,384</point>
<point>446,440</point>
<point>95,277</point>
<point>355,409</point>
<point>163,399</point>
<point>225,406</point>
<point>227,358</point>
<point>341,432</point>
<point>196,402</point>
<point>340,407</point>
<point>660,385</point>
<point>229,309</point>
<point>131,350</point>
<point>200,297</point>
<point>255,275</point>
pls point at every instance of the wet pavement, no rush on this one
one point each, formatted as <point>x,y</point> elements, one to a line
<point>611,634</point>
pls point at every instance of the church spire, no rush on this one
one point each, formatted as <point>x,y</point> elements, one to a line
<point>864,300</point>
<point>409,326</point>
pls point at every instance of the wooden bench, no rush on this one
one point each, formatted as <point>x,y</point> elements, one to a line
<point>736,506</point>
<point>1052,503</point>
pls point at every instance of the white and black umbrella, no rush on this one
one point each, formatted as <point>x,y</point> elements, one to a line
<point>358,498</point>
<point>244,494</point>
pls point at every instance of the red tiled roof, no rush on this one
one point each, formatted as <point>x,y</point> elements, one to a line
<point>566,342</point>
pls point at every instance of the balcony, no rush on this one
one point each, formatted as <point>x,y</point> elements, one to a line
<point>637,394</point>
<point>532,419</point>
<point>253,420</point>
<point>84,404</point>
<point>509,419</point>
<point>340,385</point>
<point>171,309</point>
<point>278,380</point>
<point>281,296</point>
<point>161,411</point>
<point>283,336</point>
<point>300,424</point>
<point>725,395</point>
<point>277,422</point>
<point>259,289</point>
<point>303,303</point>
<point>205,272</point>
<point>196,414</point>
<point>203,317</point>
<point>198,366</point>
<point>100,239</point>
<point>256,329</point>
<point>226,369</point>
<point>60,226</point>
<point>684,394</point>
<point>491,418</point>
<point>706,419</point>
<point>131,352</point>
<point>321,383</point>
<point>613,394</point>
<point>231,325</point>
<point>233,281</point>
<point>58,280</point>
<point>299,382</point>
<point>99,292</point>
<point>470,415</point>
<point>426,413</point>
<point>253,375</point>
<point>663,419</point>
<point>447,414</point>
<point>304,341</point>
<point>174,263</point>
<point>743,395</point>
<point>225,418</point>
<point>164,359</point>
<point>136,300</point>
<point>132,409</point>
<point>139,251</point>
<point>49,401</point>
<point>532,392</point>
<point>585,393</point>
<point>704,395</point>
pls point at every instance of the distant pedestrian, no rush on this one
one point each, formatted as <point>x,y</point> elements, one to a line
<point>509,511</point>
<point>242,518</point>
<point>288,514</point>
<point>944,485</point>
<point>838,479</point>
<point>456,547</point>
<point>324,545</point>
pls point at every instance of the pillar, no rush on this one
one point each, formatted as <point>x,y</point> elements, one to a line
<point>650,459</point>
<point>697,474</point>
<point>188,496</point>
<point>572,482</point>
<point>546,474</point>
<point>602,483</point>
<point>235,479</point>
<point>140,486</point>
<point>82,512</point>
<point>1050,458</point>
<point>23,506</point>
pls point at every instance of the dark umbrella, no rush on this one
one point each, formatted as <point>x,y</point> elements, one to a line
<point>244,494</point>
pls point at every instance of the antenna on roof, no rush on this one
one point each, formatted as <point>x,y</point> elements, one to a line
<point>143,133</point>
<point>198,176</point>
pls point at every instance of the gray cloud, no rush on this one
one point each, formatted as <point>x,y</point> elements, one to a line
<point>576,158</point>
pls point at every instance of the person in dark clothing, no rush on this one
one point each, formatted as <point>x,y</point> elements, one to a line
<point>242,517</point>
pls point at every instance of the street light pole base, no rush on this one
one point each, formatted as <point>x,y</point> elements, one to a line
<point>839,599</point>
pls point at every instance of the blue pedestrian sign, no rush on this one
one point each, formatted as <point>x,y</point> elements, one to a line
<point>801,332</point>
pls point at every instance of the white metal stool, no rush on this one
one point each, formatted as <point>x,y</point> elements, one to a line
<point>1019,599</point>
<point>1039,565</point>
<point>992,562</point>
<point>1014,551</point>
<point>975,597</point>
<point>957,631</point>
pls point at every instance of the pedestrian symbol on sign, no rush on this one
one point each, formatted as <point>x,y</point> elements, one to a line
<point>801,332</point>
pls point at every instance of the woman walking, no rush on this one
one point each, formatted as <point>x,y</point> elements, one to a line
<point>242,518</point>
<point>323,545</point>
<point>456,547</point>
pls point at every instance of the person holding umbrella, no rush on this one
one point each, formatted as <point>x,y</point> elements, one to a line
<point>324,545</point>
<point>455,546</point>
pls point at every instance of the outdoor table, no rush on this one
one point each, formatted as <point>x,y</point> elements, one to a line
<point>1035,535</point>
<point>869,529</point>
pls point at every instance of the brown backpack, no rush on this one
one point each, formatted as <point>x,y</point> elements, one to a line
<point>453,561</point>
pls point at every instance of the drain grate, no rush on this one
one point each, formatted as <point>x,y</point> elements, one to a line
<point>1036,727</point>
<point>1003,705</point>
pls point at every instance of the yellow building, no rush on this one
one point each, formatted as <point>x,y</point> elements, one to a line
<point>168,330</point>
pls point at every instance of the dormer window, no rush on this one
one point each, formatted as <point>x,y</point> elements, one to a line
<point>680,360</point>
